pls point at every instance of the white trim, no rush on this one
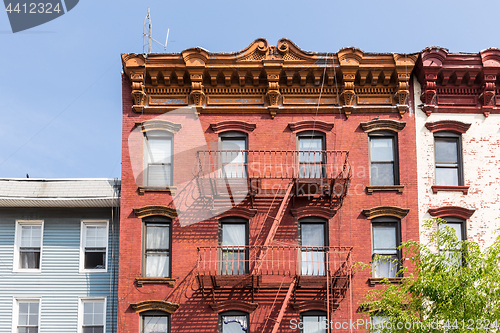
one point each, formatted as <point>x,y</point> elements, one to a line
<point>85,223</point>
<point>17,242</point>
<point>82,300</point>
<point>15,310</point>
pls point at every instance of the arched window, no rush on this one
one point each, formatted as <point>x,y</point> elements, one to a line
<point>157,240</point>
<point>234,322</point>
<point>158,153</point>
<point>311,159</point>
<point>313,240</point>
<point>448,156</point>
<point>386,237</point>
<point>233,241</point>
<point>233,155</point>
<point>384,170</point>
<point>155,321</point>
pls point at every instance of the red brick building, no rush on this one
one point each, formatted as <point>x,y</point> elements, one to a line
<point>247,211</point>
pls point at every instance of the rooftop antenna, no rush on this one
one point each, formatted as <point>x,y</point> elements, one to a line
<point>149,35</point>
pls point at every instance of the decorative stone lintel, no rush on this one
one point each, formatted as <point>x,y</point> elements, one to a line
<point>170,189</point>
<point>155,210</point>
<point>385,211</point>
<point>247,307</point>
<point>383,125</point>
<point>455,211</point>
<point>164,306</point>
<point>310,125</point>
<point>323,212</point>
<point>159,125</point>
<point>318,305</point>
<point>370,189</point>
<point>233,125</point>
<point>147,280</point>
<point>437,188</point>
<point>448,125</point>
<point>373,281</point>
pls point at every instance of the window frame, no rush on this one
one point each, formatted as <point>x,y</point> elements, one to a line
<point>234,313</point>
<point>17,245</point>
<point>312,313</point>
<point>313,220</point>
<point>155,220</point>
<point>81,302</point>
<point>234,220</point>
<point>449,136</point>
<point>164,134</point>
<point>233,135</point>
<point>312,135</point>
<point>463,233</point>
<point>15,310</point>
<point>387,221</point>
<point>151,314</point>
<point>84,224</point>
<point>395,155</point>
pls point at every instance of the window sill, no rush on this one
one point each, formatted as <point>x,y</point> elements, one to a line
<point>370,189</point>
<point>90,271</point>
<point>151,280</point>
<point>373,281</point>
<point>437,188</point>
<point>170,189</point>
<point>27,270</point>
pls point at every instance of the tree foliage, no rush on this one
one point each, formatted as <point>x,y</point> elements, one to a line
<point>454,287</point>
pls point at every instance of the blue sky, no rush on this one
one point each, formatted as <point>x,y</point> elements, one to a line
<point>60,82</point>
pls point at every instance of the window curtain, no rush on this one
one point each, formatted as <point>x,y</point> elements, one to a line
<point>233,162</point>
<point>159,161</point>
<point>157,239</point>
<point>234,324</point>
<point>313,259</point>
<point>155,324</point>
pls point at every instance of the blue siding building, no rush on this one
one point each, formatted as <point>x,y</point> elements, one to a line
<point>59,255</point>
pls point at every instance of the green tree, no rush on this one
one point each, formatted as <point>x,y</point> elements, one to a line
<point>455,287</point>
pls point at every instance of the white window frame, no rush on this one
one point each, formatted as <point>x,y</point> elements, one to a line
<point>15,310</point>
<point>17,244</point>
<point>84,224</point>
<point>81,301</point>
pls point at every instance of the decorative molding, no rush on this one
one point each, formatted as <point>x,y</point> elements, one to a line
<point>310,125</point>
<point>155,211</point>
<point>237,211</point>
<point>373,281</point>
<point>383,125</point>
<point>317,305</point>
<point>233,125</point>
<point>437,188</point>
<point>247,307</point>
<point>398,212</point>
<point>448,125</point>
<point>370,189</point>
<point>170,189</point>
<point>154,305</point>
<point>307,211</point>
<point>159,125</point>
<point>147,280</point>
<point>454,211</point>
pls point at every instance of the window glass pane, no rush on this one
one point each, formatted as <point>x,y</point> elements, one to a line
<point>308,144</point>
<point>93,329</point>
<point>456,227</point>
<point>384,237</point>
<point>382,174</point>
<point>312,234</point>
<point>157,265</point>
<point>157,237</point>
<point>447,176</point>
<point>95,259</point>
<point>31,236</point>
<point>160,150</point>
<point>234,324</point>
<point>28,316</point>
<point>96,236</point>
<point>233,161</point>
<point>314,324</point>
<point>93,313</point>
<point>312,262</point>
<point>159,175</point>
<point>29,258</point>
<point>446,150</point>
<point>381,149</point>
<point>233,261</point>
<point>385,266</point>
<point>155,324</point>
<point>233,235</point>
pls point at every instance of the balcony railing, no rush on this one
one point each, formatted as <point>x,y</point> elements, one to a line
<point>275,260</point>
<point>273,164</point>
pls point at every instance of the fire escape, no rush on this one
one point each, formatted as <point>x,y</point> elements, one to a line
<point>231,177</point>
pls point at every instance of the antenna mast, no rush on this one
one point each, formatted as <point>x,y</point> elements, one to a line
<point>149,35</point>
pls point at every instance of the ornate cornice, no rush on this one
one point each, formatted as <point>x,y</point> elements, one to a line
<point>310,125</point>
<point>380,211</point>
<point>159,125</point>
<point>453,211</point>
<point>448,126</point>
<point>319,211</point>
<point>155,211</point>
<point>234,305</point>
<point>233,125</point>
<point>383,125</point>
<point>275,79</point>
<point>154,305</point>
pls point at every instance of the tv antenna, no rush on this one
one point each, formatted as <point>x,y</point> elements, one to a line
<point>149,36</point>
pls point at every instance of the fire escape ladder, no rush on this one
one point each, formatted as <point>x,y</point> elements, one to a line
<point>284,306</point>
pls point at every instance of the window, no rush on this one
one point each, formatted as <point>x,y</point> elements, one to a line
<point>383,159</point>
<point>233,322</point>
<point>29,235</point>
<point>448,151</point>
<point>386,239</point>
<point>157,247</point>
<point>454,255</point>
<point>233,155</point>
<point>314,322</point>
<point>312,240</point>
<point>92,315</point>
<point>94,245</point>
<point>158,160</point>
<point>27,318</point>
<point>311,157</point>
<point>378,323</point>
<point>155,322</point>
<point>233,239</point>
